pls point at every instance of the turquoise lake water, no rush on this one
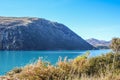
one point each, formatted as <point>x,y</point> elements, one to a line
<point>12,59</point>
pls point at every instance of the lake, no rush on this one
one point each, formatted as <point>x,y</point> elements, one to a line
<point>12,59</point>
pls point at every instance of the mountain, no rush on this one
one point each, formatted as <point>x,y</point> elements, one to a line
<point>102,44</point>
<point>25,33</point>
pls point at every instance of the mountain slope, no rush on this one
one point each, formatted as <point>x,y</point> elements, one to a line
<point>99,43</point>
<point>38,34</point>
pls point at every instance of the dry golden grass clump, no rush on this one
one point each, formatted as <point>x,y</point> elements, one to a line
<point>81,68</point>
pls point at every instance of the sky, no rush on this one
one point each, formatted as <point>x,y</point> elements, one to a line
<point>98,19</point>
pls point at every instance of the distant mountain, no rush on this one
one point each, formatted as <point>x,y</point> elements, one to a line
<point>24,33</point>
<point>101,44</point>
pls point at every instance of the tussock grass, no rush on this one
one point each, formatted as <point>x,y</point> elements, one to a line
<point>104,67</point>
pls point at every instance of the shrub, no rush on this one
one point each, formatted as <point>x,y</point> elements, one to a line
<point>83,68</point>
<point>14,71</point>
<point>115,44</point>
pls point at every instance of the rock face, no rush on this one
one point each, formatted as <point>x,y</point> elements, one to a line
<point>38,34</point>
<point>101,44</point>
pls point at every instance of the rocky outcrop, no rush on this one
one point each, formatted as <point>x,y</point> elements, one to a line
<point>38,34</point>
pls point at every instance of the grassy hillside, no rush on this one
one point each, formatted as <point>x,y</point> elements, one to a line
<point>104,67</point>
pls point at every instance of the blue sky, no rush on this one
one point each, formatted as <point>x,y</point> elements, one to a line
<point>88,18</point>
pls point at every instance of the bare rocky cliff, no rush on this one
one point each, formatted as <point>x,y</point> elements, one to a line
<point>23,33</point>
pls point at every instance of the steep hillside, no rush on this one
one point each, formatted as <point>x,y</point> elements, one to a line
<point>23,33</point>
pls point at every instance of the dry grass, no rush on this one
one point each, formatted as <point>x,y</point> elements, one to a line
<point>80,68</point>
<point>12,21</point>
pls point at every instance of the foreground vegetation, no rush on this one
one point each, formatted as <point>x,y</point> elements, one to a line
<point>81,68</point>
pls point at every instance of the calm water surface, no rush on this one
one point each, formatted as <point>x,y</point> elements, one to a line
<point>12,59</point>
